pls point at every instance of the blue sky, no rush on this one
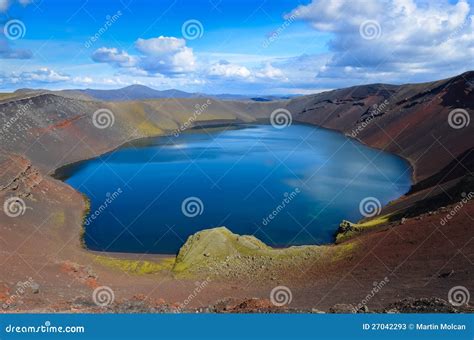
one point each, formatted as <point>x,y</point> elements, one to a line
<point>252,47</point>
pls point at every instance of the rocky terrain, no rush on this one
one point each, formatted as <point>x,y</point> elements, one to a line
<point>412,245</point>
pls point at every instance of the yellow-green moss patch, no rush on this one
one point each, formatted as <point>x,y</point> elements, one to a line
<point>348,229</point>
<point>139,267</point>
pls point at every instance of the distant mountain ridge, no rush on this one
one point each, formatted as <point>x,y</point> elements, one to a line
<point>142,92</point>
<point>135,92</point>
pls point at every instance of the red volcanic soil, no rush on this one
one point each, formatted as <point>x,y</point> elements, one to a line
<point>415,253</point>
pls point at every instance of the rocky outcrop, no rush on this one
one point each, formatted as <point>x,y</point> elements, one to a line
<point>346,229</point>
<point>220,253</point>
<point>426,305</point>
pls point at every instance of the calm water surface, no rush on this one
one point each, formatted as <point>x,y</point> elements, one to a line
<point>149,196</point>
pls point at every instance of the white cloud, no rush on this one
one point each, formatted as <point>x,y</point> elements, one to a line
<point>417,41</point>
<point>270,72</point>
<point>162,55</point>
<point>160,46</point>
<point>83,80</point>
<point>228,70</point>
<point>411,39</point>
<point>165,55</point>
<point>42,75</point>
<point>113,56</point>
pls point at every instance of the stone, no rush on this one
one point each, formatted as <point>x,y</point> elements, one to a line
<point>35,288</point>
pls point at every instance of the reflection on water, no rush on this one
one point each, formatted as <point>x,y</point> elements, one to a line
<point>241,176</point>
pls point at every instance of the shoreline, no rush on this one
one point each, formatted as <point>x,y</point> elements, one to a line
<point>56,175</point>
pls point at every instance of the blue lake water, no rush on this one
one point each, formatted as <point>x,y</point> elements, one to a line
<point>288,186</point>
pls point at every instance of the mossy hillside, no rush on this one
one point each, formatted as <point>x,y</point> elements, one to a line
<point>220,253</point>
<point>138,116</point>
<point>215,243</point>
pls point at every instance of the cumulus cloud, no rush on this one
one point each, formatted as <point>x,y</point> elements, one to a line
<point>163,55</point>
<point>270,72</point>
<point>226,69</point>
<point>393,39</point>
<point>42,75</point>
<point>113,56</point>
